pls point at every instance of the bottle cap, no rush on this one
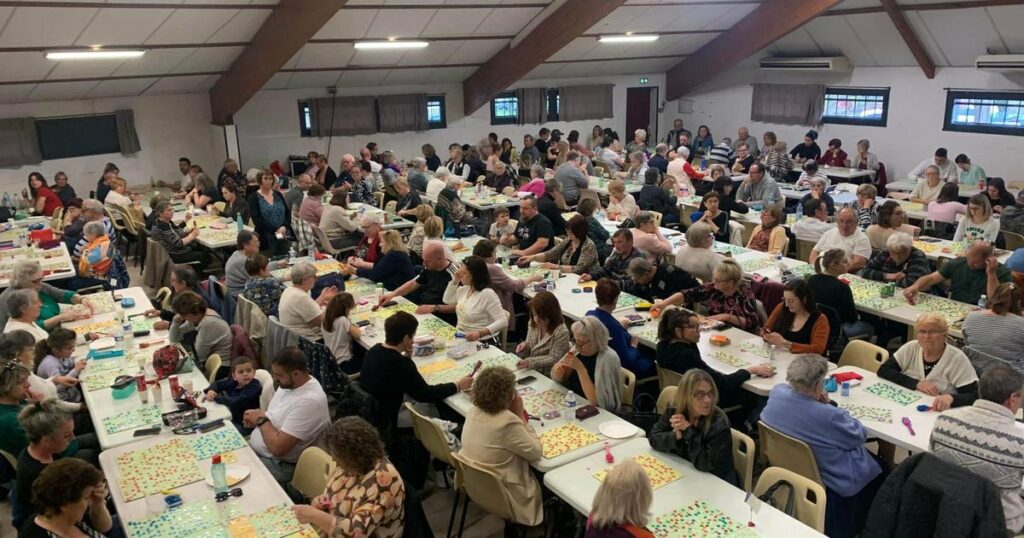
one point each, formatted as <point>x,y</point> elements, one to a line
<point>216,459</point>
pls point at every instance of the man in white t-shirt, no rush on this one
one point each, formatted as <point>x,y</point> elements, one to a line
<point>297,310</point>
<point>814,224</point>
<point>848,237</point>
<point>296,418</point>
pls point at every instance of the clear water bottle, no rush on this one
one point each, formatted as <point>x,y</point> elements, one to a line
<point>126,331</point>
<point>219,473</point>
<point>983,302</point>
<point>238,222</point>
<point>291,254</point>
<point>570,405</point>
<point>771,353</point>
<point>799,211</point>
<point>549,281</point>
<point>778,263</point>
<point>379,292</point>
<point>119,336</point>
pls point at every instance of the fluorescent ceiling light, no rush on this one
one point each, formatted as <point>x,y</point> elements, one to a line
<point>391,44</point>
<point>94,54</point>
<point>628,38</point>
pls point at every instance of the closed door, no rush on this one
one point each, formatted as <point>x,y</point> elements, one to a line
<point>641,113</point>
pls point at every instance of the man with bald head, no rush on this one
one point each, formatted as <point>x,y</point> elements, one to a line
<point>743,137</point>
<point>295,195</point>
<point>847,237</point>
<point>969,276</point>
<point>427,289</point>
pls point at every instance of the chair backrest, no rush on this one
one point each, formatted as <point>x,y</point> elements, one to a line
<point>809,496</point>
<point>251,318</point>
<point>390,207</point>
<point>743,453</point>
<point>430,434</point>
<point>863,354</point>
<point>57,222</point>
<point>587,193</point>
<point>667,378</point>
<point>560,201</point>
<point>981,361</point>
<point>657,217</point>
<point>163,298</point>
<point>628,388</point>
<point>267,381</point>
<point>11,459</point>
<point>213,363</point>
<point>835,327</point>
<point>312,471</point>
<point>803,249</point>
<point>322,241</point>
<point>1013,240</point>
<point>379,198</point>
<point>785,247</point>
<point>484,487</point>
<point>789,453</point>
<point>665,399</point>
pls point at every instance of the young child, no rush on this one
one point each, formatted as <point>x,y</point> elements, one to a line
<point>502,226</point>
<point>339,331</point>
<point>19,346</point>
<point>53,358</point>
<point>240,392</point>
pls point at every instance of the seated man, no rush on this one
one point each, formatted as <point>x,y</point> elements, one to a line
<point>971,276</point>
<point>618,262</point>
<point>427,289</point>
<point>296,418</point>
<point>549,208</point>
<point>759,188</point>
<point>814,224</point>
<point>984,438</point>
<point>654,282</point>
<point>848,237</point>
<point>534,233</point>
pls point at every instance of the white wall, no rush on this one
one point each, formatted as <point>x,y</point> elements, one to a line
<point>268,125</point>
<point>169,127</point>
<point>916,113</point>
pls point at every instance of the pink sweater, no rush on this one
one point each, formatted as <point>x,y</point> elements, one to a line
<point>536,187</point>
<point>946,211</point>
<point>653,245</point>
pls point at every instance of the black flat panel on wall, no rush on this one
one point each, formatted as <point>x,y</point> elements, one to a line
<point>77,136</point>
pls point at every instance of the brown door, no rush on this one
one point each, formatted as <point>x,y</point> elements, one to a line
<point>640,113</point>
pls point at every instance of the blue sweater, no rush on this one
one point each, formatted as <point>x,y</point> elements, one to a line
<point>238,400</point>
<point>835,438</point>
<point>393,270</point>
<point>629,356</point>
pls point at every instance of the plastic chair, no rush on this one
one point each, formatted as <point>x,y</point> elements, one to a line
<point>267,381</point>
<point>803,249</point>
<point>743,454</point>
<point>1013,240</point>
<point>789,453</point>
<point>57,221</point>
<point>667,378</point>
<point>863,354</point>
<point>657,217</point>
<point>13,461</point>
<point>434,440</point>
<point>312,471</point>
<point>628,388</point>
<point>213,363</point>
<point>809,496</point>
<point>665,399</point>
<point>587,193</point>
<point>379,198</point>
<point>390,207</point>
<point>485,488</point>
<point>163,298</point>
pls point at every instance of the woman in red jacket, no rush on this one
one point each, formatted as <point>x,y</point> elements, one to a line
<point>44,200</point>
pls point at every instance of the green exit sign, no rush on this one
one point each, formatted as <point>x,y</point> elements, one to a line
<point>643,80</point>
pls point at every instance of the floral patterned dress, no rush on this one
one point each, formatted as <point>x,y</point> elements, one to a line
<point>369,505</point>
<point>741,304</point>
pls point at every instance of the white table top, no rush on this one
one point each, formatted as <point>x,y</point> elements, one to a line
<point>907,185</point>
<point>56,268</point>
<point>844,172</point>
<point>575,483</point>
<point>392,222</point>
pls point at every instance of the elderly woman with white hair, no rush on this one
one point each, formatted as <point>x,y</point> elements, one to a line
<point>437,183</point>
<point>639,142</point>
<point>801,408</point>
<point>696,256</point>
<point>591,368</point>
<point>448,201</point>
<point>369,251</point>
<point>417,176</point>
<point>297,310</point>
<point>862,159</point>
<point>900,262</point>
<point>931,365</point>
<point>536,184</point>
<point>24,306</point>
<point>622,503</point>
<point>681,169</point>
<point>817,192</point>
<point>28,274</point>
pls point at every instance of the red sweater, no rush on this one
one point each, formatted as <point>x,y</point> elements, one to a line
<point>833,160</point>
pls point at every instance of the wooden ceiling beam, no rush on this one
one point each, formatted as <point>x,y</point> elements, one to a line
<point>910,38</point>
<point>291,25</point>
<point>558,29</point>
<point>760,28</point>
<point>932,6</point>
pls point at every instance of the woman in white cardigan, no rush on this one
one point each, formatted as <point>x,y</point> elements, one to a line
<point>477,306</point>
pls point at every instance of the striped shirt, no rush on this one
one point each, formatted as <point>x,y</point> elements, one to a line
<point>999,336</point>
<point>169,236</point>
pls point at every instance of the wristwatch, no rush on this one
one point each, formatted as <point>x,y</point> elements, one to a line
<point>261,421</point>
<point>437,308</point>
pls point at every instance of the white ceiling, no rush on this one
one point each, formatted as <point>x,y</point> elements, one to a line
<point>190,46</point>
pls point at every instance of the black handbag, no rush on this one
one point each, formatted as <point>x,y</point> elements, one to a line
<point>769,497</point>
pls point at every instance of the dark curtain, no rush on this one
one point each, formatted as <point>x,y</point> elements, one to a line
<point>400,113</point>
<point>19,144</point>
<point>794,104</point>
<point>533,106</point>
<point>343,115</point>
<point>126,135</point>
<point>586,102</point>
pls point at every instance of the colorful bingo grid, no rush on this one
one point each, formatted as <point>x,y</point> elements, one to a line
<point>698,520</point>
<point>142,323</point>
<point>274,522</point>
<point>197,518</point>
<point>358,287</point>
<point>101,303</point>
<point>96,327</point>
<point>894,394</point>
<point>750,266</point>
<point>151,470</point>
<point>802,270</point>
<point>755,347</point>
<point>657,471</point>
<point>952,310</point>
<point>465,367</point>
<point>525,272</point>
<point>728,358</point>
<point>100,380</point>
<point>437,327</point>
<point>218,236</point>
<point>732,249</point>
<point>648,332</point>
<point>626,300</point>
<point>867,412</point>
<point>226,439</point>
<point>565,438</point>
<point>133,418</point>
<point>539,403</point>
<point>435,367</point>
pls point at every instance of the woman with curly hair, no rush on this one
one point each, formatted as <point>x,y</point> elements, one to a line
<point>365,495</point>
<point>70,501</point>
<point>497,435</point>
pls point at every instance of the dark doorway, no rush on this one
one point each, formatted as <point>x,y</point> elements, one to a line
<point>642,113</point>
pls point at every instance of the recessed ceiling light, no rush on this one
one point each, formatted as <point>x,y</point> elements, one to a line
<point>628,38</point>
<point>94,54</point>
<point>391,44</point>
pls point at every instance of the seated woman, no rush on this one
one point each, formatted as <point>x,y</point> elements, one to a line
<point>818,193</point>
<point>812,171</point>
<point>449,203</point>
<point>998,197</point>
<point>796,325</point>
<point>801,408</point>
<point>44,201</point>
<point>261,288</point>
<point>28,274</point>
<point>978,224</point>
<point>591,369</point>
<point>368,251</point>
<point>423,213</point>
<point>829,290</point>
<point>577,254</point>
<point>298,310</point>
<point>947,208</point>
<point>497,436</point>
<point>536,183</point>
<point>770,235</point>
<point>24,306</point>
<point>234,202</point>
<point>500,179</point>
<point>365,495</point>
<point>696,429</point>
<point>931,365</point>
<point>203,194</point>
<point>394,268</point>
<point>547,338</point>
<point>634,172</point>
<point>621,204</point>
<point>70,501</point>
<point>647,236</point>
<point>891,219</point>
<point>999,329</point>
<point>595,231</point>
<point>183,279</point>
<point>866,205</point>
<point>504,285</point>
<point>900,262</point>
<point>408,199</point>
<point>834,155</point>
<point>341,230</point>
<point>180,244</point>
<point>312,208</point>
<point>714,217</point>
<point>213,336</point>
<point>727,297</point>
<point>477,306</point>
<point>97,256</point>
<point>625,345</point>
<point>339,332</point>
<point>622,503</point>
<point>863,159</point>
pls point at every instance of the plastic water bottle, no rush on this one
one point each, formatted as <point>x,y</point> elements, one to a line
<point>238,222</point>
<point>771,353</point>
<point>983,302</point>
<point>549,281</point>
<point>704,162</point>
<point>779,263</point>
<point>219,473</point>
<point>291,255</point>
<point>379,291</point>
<point>128,336</point>
<point>119,336</point>
<point>799,211</point>
<point>570,406</point>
